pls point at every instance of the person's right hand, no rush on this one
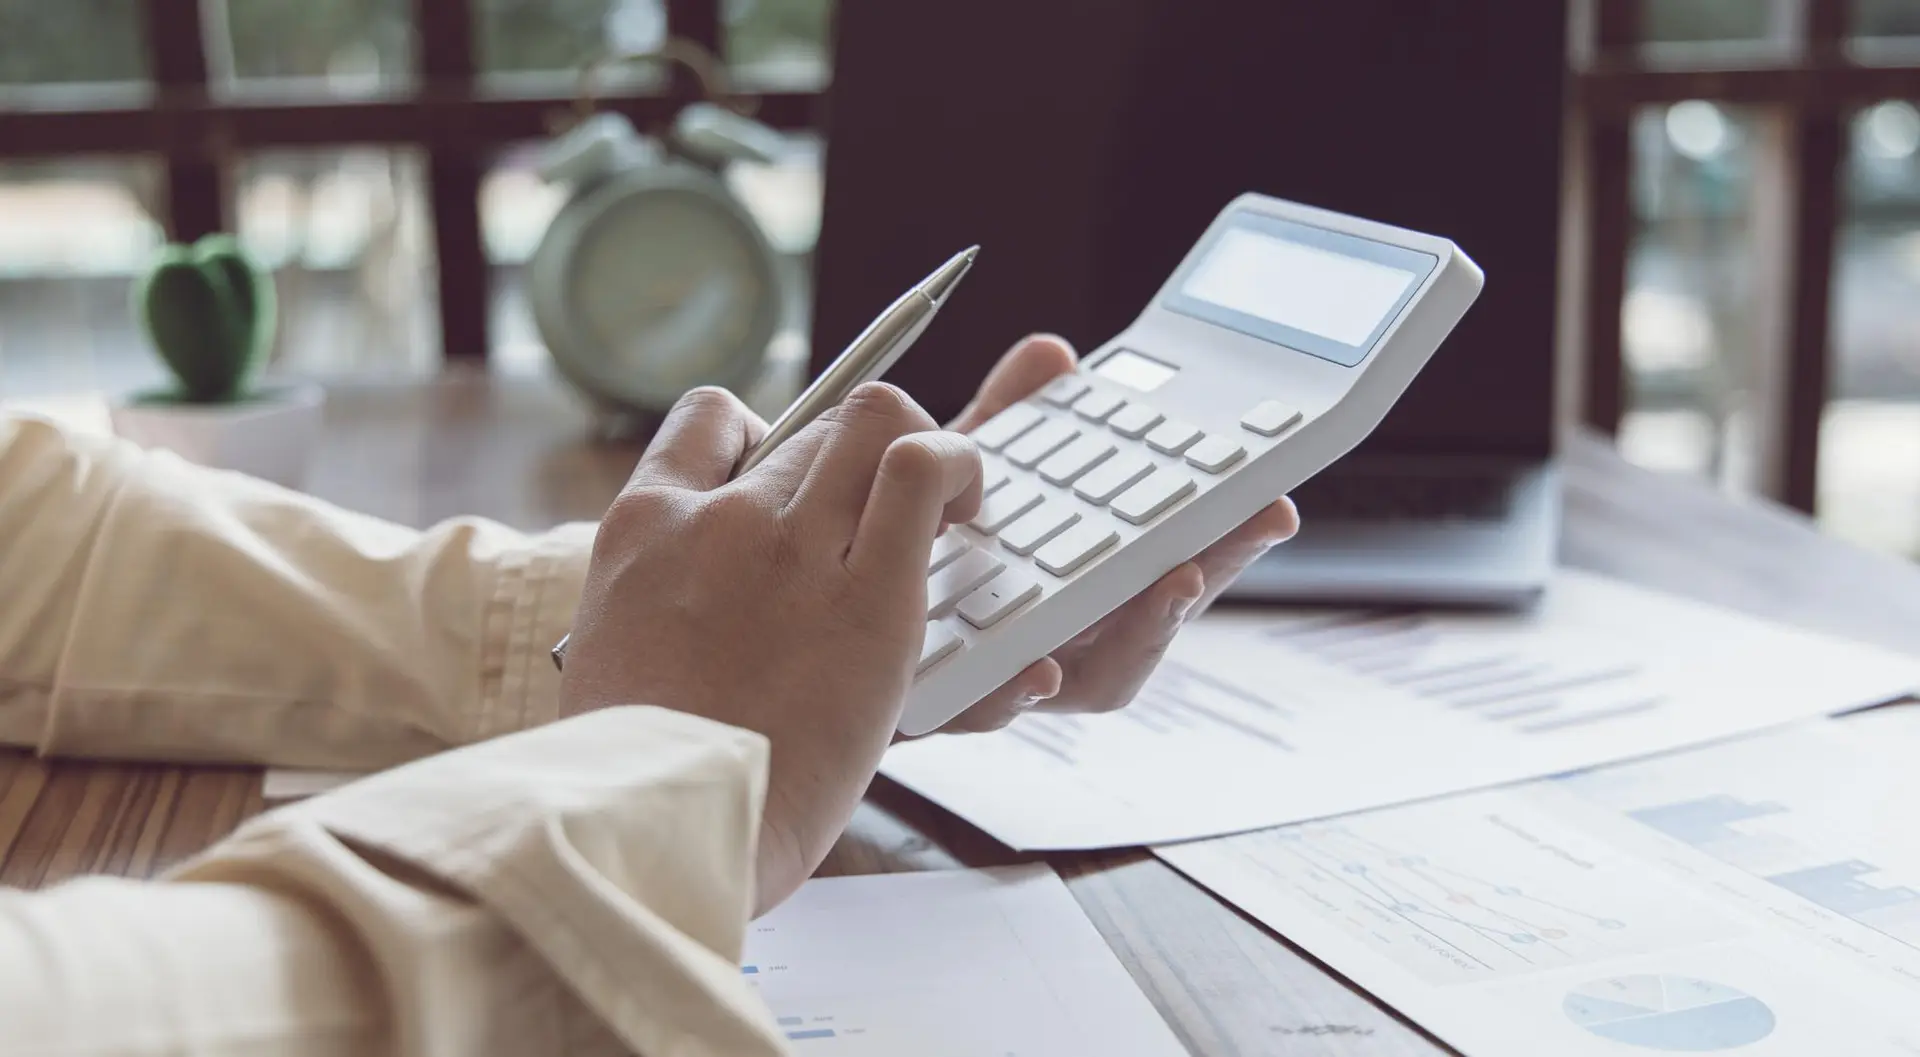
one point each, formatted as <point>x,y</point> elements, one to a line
<point>791,602</point>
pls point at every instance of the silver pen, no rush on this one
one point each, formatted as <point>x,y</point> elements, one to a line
<point>870,356</point>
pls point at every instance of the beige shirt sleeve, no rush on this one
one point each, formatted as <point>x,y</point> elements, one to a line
<point>151,608</point>
<point>580,889</point>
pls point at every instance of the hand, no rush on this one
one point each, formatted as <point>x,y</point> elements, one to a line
<point>1103,667</point>
<point>791,601</point>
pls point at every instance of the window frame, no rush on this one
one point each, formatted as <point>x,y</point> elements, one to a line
<point>447,114</point>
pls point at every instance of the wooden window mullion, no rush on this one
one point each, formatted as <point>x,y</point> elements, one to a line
<point>175,37</point>
<point>1605,146</point>
<point>445,43</point>
<point>1798,212</point>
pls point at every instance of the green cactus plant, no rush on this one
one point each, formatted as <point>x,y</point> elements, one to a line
<point>209,311</point>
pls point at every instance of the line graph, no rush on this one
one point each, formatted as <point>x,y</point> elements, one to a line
<point>1549,687</point>
<point>1456,893</point>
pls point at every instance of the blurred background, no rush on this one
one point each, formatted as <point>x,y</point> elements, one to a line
<point>1707,116</point>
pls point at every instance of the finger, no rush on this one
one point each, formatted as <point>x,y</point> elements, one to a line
<point>922,480</point>
<point>1038,682</point>
<point>1222,563</point>
<point>699,443</point>
<point>1023,371</point>
<point>1130,643</point>
<point>850,440</point>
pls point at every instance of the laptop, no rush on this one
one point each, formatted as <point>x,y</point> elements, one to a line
<point>1084,144</point>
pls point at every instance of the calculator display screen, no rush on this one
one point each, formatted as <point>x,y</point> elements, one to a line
<point>1322,292</point>
<point>1295,285</point>
<point>1135,371</point>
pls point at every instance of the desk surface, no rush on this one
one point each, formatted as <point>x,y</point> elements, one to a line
<point>514,452</point>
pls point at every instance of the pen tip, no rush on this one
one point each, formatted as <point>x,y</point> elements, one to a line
<point>937,286</point>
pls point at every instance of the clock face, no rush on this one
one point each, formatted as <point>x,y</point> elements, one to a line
<point>669,287</point>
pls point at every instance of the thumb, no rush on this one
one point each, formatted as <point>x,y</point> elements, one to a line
<point>1022,372</point>
<point>924,479</point>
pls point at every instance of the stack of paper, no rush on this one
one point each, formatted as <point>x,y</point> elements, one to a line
<point>978,963</point>
<point>1266,719</point>
<point>1760,897</point>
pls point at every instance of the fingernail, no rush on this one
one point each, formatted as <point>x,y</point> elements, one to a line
<point>1181,607</point>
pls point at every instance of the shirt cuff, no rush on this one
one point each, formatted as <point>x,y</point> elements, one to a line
<point>619,846</point>
<point>529,609</point>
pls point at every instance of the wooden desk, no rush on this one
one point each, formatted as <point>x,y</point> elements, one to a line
<point>512,451</point>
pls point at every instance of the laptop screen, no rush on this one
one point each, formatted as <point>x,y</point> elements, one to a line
<point>1085,145</point>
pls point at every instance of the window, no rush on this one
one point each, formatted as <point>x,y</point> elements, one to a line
<point>376,153</point>
<point>1749,207</point>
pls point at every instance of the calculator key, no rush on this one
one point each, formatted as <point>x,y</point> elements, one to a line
<point>940,641</point>
<point>1172,438</point>
<point>1043,441</point>
<point>947,587</point>
<point>1038,526</point>
<point>1076,547</point>
<point>1113,477</point>
<point>1097,406</point>
<point>1064,391</point>
<point>1002,595</point>
<point>1214,454</point>
<point>945,550</point>
<point>1146,500</point>
<point>1271,418</point>
<point>1003,428</point>
<point>992,478</point>
<point>1065,466</point>
<point>1134,420</point>
<point>998,510</point>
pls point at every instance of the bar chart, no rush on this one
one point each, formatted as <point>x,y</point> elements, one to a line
<point>1736,832</point>
<point>1179,700</point>
<point>1540,687</point>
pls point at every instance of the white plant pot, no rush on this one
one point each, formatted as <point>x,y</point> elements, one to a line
<point>272,437</point>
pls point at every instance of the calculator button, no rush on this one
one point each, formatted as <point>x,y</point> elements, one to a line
<point>947,587</point>
<point>998,510</point>
<point>1064,390</point>
<point>1076,547</point>
<point>1214,454</point>
<point>1113,477</point>
<point>1134,420</point>
<point>1271,418</point>
<point>1003,594</point>
<point>1001,430</point>
<point>945,550</point>
<point>1038,526</point>
<point>1172,438</point>
<point>1065,466</point>
<point>992,478</point>
<point>940,641</point>
<point>1096,406</point>
<point>1145,501</point>
<point>1048,438</point>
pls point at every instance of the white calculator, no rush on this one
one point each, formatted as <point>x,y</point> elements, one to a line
<point>1280,342</point>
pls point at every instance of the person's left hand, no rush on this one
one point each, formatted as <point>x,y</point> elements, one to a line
<point>1102,668</point>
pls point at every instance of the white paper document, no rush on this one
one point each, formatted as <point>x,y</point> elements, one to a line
<point>1759,897</point>
<point>976,963</point>
<point>1258,720</point>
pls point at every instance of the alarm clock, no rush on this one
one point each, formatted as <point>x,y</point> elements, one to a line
<point>654,278</point>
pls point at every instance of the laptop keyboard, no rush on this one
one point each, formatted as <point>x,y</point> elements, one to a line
<point>1392,497</point>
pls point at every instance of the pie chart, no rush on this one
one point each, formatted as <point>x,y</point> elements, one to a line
<point>1674,1014</point>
